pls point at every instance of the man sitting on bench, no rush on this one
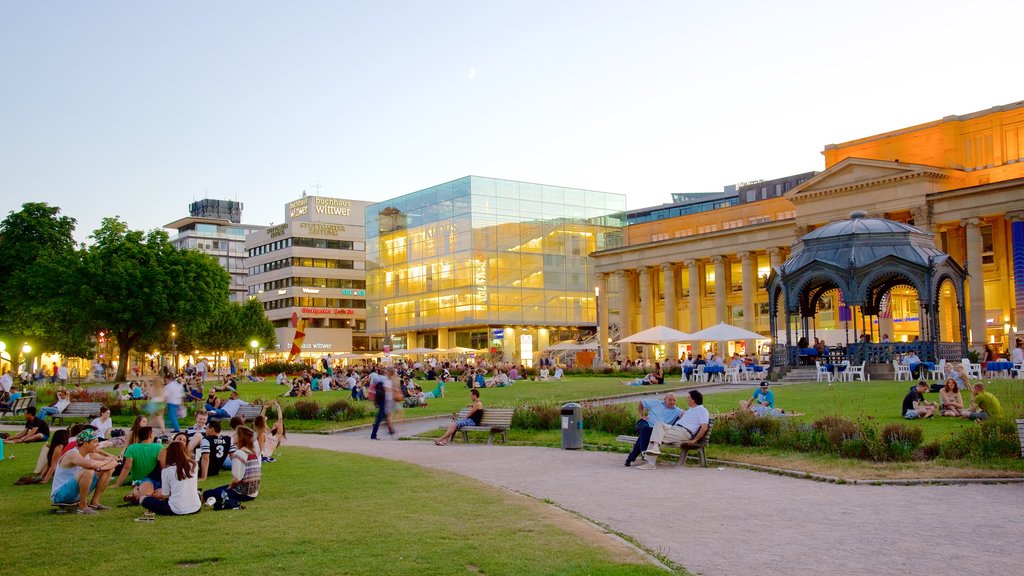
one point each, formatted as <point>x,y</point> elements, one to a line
<point>652,412</point>
<point>690,428</point>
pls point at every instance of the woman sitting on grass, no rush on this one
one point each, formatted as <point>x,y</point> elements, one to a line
<point>246,471</point>
<point>179,491</point>
<point>476,414</point>
<point>952,404</point>
<point>47,463</point>
<point>268,438</point>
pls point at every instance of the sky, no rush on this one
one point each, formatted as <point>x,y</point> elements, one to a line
<point>136,109</point>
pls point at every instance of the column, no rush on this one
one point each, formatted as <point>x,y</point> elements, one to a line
<point>721,292</point>
<point>624,280</point>
<point>442,338</point>
<point>775,260</point>
<point>410,340</point>
<point>646,294</point>
<point>975,283</point>
<point>749,286</point>
<point>602,315</point>
<point>888,326</point>
<point>694,269</point>
<point>668,278</point>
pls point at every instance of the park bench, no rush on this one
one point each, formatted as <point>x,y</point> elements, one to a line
<point>684,448</point>
<point>249,412</point>
<point>85,410</point>
<point>494,421</point>
<point>1020,436</point>
<point>20,405</point>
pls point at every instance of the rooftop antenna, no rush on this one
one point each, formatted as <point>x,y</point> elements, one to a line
<point>318,187</point>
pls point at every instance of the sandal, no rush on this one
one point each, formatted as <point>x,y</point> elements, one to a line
<point>439,443</point>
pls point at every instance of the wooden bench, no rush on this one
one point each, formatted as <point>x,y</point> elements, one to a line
<point>494,421</point>
<point>1020,436</point>
<point>248,411</point>
<point>684,448</point>
<point>20,405</point>
<point>85,410</point>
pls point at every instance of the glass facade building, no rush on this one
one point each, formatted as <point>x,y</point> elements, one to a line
<point>481,262</point>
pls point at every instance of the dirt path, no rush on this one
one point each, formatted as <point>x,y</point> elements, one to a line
<point>728,521</point>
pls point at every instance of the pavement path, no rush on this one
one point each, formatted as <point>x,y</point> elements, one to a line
<point>724,521</point>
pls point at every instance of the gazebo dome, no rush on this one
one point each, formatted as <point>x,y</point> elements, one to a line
<point>860,241</point>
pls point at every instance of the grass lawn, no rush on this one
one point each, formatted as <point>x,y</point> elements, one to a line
<point>318,513</point>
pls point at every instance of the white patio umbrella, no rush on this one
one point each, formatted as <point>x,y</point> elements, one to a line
<point>350,356</point>
<point>417,351</point>
<point>658,335</point>
<point>723,332</point>
<point>460,350</point>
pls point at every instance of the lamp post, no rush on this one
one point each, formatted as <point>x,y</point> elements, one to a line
<point>3,348</point>
<point>174,346</point>
<point>597,318</point>
<point>255,352</point>
<point>26,350</point>
<point>387,337</point>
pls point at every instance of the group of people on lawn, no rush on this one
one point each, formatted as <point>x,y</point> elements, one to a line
<point>81,462</point>
<point>951,403</point>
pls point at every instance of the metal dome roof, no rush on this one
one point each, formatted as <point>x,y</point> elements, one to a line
<point>860,241</point>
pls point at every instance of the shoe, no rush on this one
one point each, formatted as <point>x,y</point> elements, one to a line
<point>211,501</point>
<point>653,450</point>
<point>628,463</point>
<point>85,511</point>
<point>99,507</point>
<point>647,466</point>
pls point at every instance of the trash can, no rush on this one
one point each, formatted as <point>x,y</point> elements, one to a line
<point>572,426</point>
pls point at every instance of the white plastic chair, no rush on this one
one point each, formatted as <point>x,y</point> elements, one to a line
<point>822,372</point>
<point>902,370</point>
<point>856,371</point>
<point>938,373</point>
<point>973,370</point>
<point>699,375</point>
<point>732,375</point>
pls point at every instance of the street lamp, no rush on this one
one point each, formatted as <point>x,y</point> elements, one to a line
<point>387,340</point>
<point>3,347</point>
<point>255,351</point>
<point>174,346</point>
<point>597,317</point>
<point>26,349</point>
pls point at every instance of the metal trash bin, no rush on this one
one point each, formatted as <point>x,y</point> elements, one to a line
<point>572,426</point>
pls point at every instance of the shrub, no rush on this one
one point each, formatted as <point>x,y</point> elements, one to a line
<point>835,430</point>
<point>341,410</point>
<point>270,368</point>
<point>990,439</point>
<point>306,410</point>
<point>538,417</point>
<point>614,419</point>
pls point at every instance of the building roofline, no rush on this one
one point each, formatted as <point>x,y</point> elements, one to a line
<point>183,222</point>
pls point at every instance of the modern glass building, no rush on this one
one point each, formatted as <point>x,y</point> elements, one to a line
<point>487,263</point>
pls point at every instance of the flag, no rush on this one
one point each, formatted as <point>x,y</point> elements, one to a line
<point>300,335</point>
<point>885,307</point>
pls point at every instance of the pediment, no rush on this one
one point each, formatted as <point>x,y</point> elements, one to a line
<point>857,173</point>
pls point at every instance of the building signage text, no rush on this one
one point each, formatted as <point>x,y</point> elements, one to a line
<point>322,228</point>
<point>329,311</point>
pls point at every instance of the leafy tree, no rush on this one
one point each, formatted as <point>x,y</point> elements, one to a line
<point>253,324</point>
<point>136,284</point>
<point>37,260</point>
<point>232,326</point>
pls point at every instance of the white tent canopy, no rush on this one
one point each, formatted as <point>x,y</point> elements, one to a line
<point>658,335</point>
<point>725,333</point>
<point>571,345</point>
<point>350,356</point>
<point>417,351</point>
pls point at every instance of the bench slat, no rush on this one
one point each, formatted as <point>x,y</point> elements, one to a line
<point>494,421</point>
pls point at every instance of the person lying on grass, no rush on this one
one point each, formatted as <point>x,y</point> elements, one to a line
<point>476,414</point>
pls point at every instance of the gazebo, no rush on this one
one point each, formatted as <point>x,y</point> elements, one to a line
<point>864,259</point>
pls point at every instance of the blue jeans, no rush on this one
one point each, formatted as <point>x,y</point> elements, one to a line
<point>171,417</point>
<point>47,411</point>
<point>381,415</point>
<point>643,433</point>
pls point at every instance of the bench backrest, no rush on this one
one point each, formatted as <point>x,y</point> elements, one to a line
<point>493,417</point>
<point>82,409</point>
<point>707,435</point>
<point>249,412</point>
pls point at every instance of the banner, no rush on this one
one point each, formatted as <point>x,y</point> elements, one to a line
<point>1017,233</point>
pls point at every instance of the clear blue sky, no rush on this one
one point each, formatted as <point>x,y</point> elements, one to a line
<point>137,108</point>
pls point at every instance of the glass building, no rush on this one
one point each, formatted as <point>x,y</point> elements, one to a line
<point>487,263</point>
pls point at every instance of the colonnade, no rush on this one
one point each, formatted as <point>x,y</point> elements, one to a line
<point>637,295</point>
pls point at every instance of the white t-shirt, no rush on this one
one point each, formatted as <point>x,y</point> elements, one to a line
<point>232,406</point>
<point>1017,356</point>
<point>174,392</point>
<point>694,418</point>
<point>62,373</point>
<point>102,427</point>
<point>182,495</point>
<point>6,382</point>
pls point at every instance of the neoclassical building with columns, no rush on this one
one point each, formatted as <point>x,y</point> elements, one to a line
<point>960,178</point>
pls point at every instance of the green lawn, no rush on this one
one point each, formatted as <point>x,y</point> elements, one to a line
<point>318,513</point>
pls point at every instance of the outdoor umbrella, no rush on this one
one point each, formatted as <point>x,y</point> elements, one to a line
<point>725,333</point>
<point>418,351</point>
<point>460,350</point>
<point>658,335</point>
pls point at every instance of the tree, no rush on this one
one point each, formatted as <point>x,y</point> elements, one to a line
<point>232,326</point>
<point>136,285</point>
<point>37,259</point>
<point>254,325</point>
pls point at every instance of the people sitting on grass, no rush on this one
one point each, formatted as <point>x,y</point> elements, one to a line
<point>77,475</point>
<point>559,373</point>
<point>36,429</point>
<point>500,379</point>
<point>762,403</point>
<point>689,428</point>
<point>140,466</point>
<point>246,471</point>
<point>214,450</point>
<point>914,404</point>
<point>951,403</point>
<point>983,405</point>
<point>544,374</point>
<point>652,411</point>
<point>473,418</point>
<point>179,489</point>
<point>268,438</point>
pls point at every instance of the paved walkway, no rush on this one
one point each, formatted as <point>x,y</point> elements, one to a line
<point>728,521</point>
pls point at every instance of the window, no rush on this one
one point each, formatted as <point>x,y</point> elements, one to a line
<point>751,195</point>
<point>658,237</point>
<point>987,254</point>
